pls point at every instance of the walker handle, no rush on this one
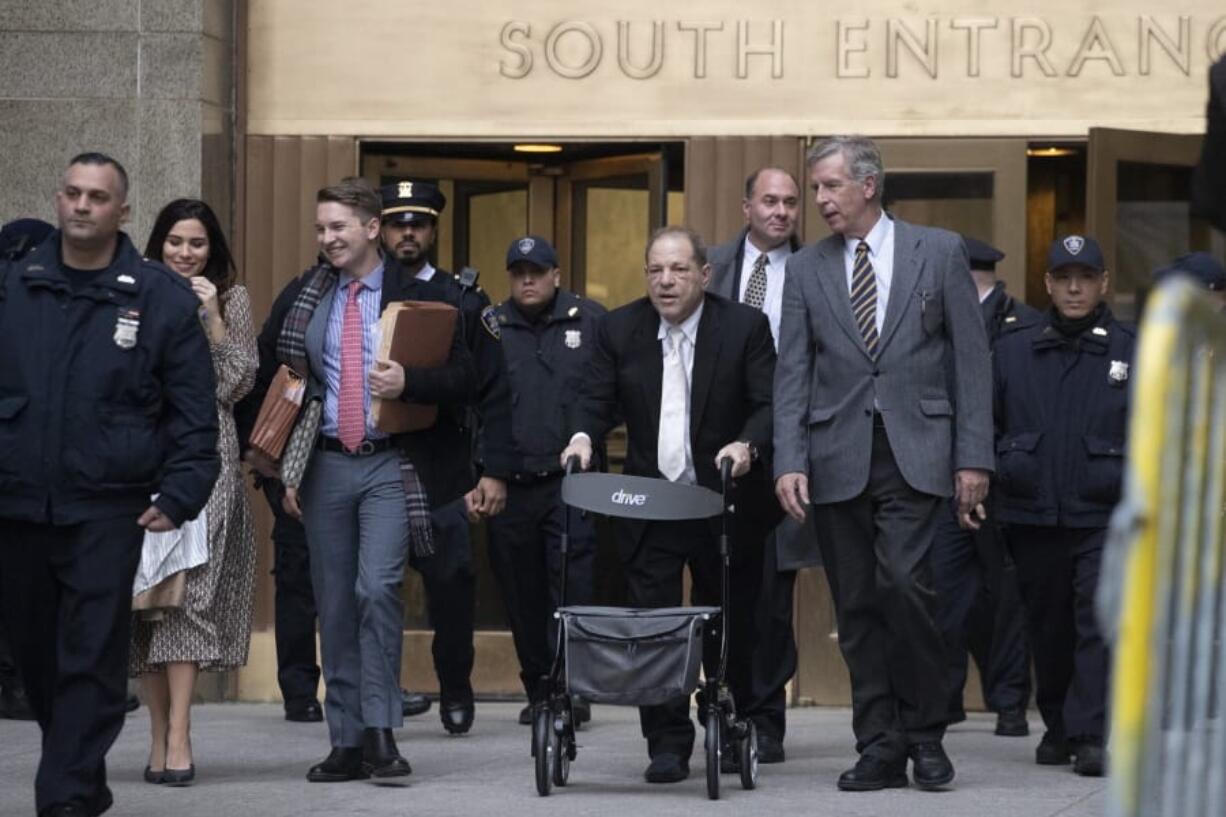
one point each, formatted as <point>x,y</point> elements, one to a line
<point>572,464</point>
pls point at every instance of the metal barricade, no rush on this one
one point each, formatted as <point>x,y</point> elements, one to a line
<point>1162,587</point>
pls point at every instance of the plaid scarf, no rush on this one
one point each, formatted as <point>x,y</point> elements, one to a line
<point>291,350</point>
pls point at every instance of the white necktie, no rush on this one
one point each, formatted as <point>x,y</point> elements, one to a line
<point>674,395</point>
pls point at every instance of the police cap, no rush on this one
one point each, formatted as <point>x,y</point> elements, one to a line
<point>1075,249</point>
<point>533,249</point>
<point>983,256</point>
<point>408,201</point>
<point>1200,266</point>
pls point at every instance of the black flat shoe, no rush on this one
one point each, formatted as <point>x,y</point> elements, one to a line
<point>306,712</point>
<point>1011,723</point>
<point>341,764</point>
<point>770,748</point>
<point>457,718</point>
<point>667,768</point>
<point>525,716</point>
<point>380,757</point>
<point>413,703</point>
<point>930,766</point>
<point>1053,750</point>
<point>874,774</point>
<point>177,778</point>
<point>154,777</point>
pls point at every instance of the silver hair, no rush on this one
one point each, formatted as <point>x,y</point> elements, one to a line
<point>862,155</point>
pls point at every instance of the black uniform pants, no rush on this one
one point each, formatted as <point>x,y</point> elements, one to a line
<point>876,550</point>
<point>774,658</point>
<point>294,612</point>
<point>654,579</point>
<point>8,667</point>
<point>451,600</point>
<point>526,558</point>
<point>68,601</point>
<point>1057,570</point>
<point>979,609</point>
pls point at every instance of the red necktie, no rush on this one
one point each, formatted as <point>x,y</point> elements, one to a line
<point>351,404</point>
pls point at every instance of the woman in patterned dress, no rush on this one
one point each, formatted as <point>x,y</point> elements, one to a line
<point>212,629</point>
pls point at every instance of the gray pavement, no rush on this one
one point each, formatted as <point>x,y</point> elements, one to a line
<point>251,762</point>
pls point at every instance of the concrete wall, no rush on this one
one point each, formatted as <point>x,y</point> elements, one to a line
<point>148,81</point>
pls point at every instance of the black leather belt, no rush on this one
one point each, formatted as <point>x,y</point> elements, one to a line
<point>364,449</point>
<point>530,477</point>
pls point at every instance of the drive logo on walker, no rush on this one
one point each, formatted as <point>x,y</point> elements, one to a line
<point>634,500</point>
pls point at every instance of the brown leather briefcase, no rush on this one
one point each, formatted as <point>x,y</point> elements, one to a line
<point>278,413</point>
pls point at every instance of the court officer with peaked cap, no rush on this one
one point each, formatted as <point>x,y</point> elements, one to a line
<point>978,607</point>
<point>1061,407</point>
<point>475,441</point>
<point>547,337</point>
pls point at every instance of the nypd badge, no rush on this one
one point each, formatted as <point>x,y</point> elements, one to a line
<point>526,245</point>
<point>1074,244</point>
<point>573,338</point>
<point>1118,372</point>
<point>127,326</point>
<point>404,190</point>
<point>489,319</point>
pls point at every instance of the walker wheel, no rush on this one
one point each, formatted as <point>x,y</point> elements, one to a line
<point>544,747</point>
<point>748,747</point>
<point>714,727</point>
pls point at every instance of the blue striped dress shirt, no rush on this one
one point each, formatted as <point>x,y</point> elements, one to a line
<point>369,296</point>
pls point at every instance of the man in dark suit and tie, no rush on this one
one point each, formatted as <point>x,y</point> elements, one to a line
<point>874,429</point>
<point>690,373</point>
<point>750,269</point>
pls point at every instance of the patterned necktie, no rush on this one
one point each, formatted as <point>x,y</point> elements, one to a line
<point>351,402</point>
<point>864,298</point>
<point>674,394</point>
<point>755,292</point>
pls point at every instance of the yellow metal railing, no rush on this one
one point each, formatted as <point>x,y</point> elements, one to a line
<point>1162,590</point>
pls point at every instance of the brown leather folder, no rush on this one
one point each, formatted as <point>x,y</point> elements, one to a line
<point>417,335</point>
<point>278,413</point>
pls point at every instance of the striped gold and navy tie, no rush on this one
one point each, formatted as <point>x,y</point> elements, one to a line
<point>864,298</point>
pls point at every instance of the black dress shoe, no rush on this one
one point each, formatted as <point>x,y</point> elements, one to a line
<point>525,716</point>
<point>1053,750</point>
<point>305,712</point>
<point>873,774</point>
<point>413,703</point>
<point>342,763</point>
<point>14,705</point>
<point>178,778</point>
<point>1090,757</point>
<point>667,768</point>
<point>770,748</point>
<point>1011,723</point>
<point>581,710</point>
<point>457,717</point>
<point>380,757</point>
<point>930,766</point>
<point>64,810</point>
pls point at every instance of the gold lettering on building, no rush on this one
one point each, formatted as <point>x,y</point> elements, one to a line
<point>654,62</point>
<point>845,30</point>
<point>700,30</point>
<point>973,26</point>
<point>774,49</point>
<point>897,31</point>
<point>1096,45</point>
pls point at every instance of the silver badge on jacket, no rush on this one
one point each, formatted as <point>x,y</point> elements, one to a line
<point>573,338</point>
<point>127,326</point>
<point>1118,372</point>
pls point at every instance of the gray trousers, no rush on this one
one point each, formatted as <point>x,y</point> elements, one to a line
<point>358,535</point>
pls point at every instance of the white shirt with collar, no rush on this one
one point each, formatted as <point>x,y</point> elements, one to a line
<point>689,328</point>
<point>772,304</point>
<point>880,242</point>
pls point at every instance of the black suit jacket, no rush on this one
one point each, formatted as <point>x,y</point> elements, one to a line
<point>730,399</point>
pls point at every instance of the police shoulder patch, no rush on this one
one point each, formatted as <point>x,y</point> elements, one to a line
<point>489,319</point>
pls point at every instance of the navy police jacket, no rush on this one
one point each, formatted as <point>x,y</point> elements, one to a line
<point>107,393</point>
<point>546,360</point>
<point>1061,422</point>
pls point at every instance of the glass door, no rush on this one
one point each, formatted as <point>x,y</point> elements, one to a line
<point>1137,206</point>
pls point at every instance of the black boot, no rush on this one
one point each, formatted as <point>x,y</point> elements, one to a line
<point>380,757</point>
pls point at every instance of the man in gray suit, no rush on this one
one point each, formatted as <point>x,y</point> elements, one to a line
<point>873,428</point>
<point>750,269</point>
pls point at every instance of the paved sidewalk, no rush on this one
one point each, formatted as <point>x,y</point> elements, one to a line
<point>251,762</point>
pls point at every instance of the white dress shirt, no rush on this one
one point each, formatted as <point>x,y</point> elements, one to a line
<point>426,272</point>
<point>689,328</point>
<point>880,242</point>
<point>772,304</point>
